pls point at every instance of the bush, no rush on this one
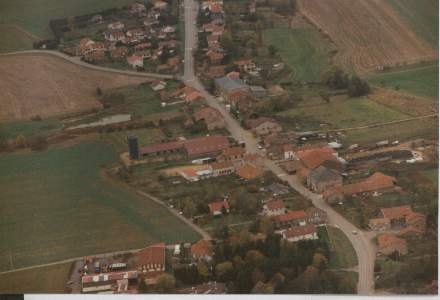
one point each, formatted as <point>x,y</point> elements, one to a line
<point>38,143</point>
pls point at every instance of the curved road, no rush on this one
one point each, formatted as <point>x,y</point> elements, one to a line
<point>361,242</point>
<point>77,61</point>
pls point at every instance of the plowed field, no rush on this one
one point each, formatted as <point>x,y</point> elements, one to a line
<point>40,85</point>
<point>367,33</point>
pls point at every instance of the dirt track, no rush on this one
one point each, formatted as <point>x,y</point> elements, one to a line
<point>368,33</point>
<point>45,85</point>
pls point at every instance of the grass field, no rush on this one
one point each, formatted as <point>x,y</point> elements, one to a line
<point>420,79</point>
<point>343,254</point>
<point>50,279</point>
<point>340,114</point>
<point>303,49</point>
<point>28,128</point>
<point>421,15</point>
<point>401,131</point>
<point>34,16</point>
<point>55,205</point>
<point>146,136</point>
<point>13,39</point>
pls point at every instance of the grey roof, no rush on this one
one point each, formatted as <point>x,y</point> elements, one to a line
<point>278,188</point>
<point>230,84</point>
<point>323,174</point>
<point>257,88</point>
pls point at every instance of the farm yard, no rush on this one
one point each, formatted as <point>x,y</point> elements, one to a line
<point>66,209</point>
<point>34,16</point>
<point>40,85</point>
<point>367,33</point>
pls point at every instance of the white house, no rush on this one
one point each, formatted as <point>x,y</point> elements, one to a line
<point>136,61</point>
<point>158,85</point>
<point>116,26</point>
<point>289,153</point>
<point>274,208</point>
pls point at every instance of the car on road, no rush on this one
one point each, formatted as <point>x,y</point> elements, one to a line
<point>354,232</point>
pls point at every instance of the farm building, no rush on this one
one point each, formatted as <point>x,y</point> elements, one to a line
<point>299,233</point>
<point>211,117</point>
<point>116,282</point>
<point>274,208</point>
<point>388,244</point>
<point>216,208</point>
<point>263,126</point>
<point>290,219</point>
<point>323,178</point>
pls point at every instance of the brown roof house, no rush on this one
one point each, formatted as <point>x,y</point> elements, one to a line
<point>323,178</point>
<point>274,208</point>
<point>379,224</point>
<point>378,182</point>
<point>228,87</point>
<point>216,208</point>
<point>289,219</point>
<point>151,262</point>
<point>249,172</point>
<point>211,116</point>
<point>388,244</point>
<point>235,155</point>
<point>263,126</point>
<point>298,233</point>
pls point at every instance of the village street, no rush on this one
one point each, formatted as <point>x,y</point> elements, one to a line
<point>361,242</point>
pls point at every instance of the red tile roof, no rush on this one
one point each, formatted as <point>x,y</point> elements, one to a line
<point>161,147</point>
<point>217,206</point>
<point>154,254</point>
<point>291,215</point>
<point>316,157</point>
<point>390,242</point>
<point>206,145</point>
<point>275,204</point>
<point>222,165</point>
<point>234,151</point>
<point>396,212</point>
<point>299,231</point>
<point>249,172</point>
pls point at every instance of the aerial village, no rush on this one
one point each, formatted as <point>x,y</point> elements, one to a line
<point>256,199</point>
<point>339,173</point>
<point>139,37</point>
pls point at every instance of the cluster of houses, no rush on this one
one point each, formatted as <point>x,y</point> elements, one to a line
<point>295,225</point>
<point>133,45</point>
<point>394,225</point>
<point>231,160</point>
<point>146,265</point>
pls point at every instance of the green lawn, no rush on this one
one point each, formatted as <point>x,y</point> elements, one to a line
<point>13,39</point>
<point>421,15</point>
<point>303,49</point>
<point>400,131</point>
<point>342,252</point>
<point>340,114</point>
<point>28,128</point>
<point>50,279</point>
<point>34,16</point>
<point>420,79</point>
<point>432,174</point>
<point>56,205</point>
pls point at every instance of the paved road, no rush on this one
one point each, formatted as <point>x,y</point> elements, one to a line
<point>361,242</point>
<point>77,61</point>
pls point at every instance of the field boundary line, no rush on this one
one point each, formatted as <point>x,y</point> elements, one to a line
<point>78,62</point>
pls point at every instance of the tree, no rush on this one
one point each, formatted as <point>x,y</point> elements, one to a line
<point>224,270</point>
<point>203,270</point>
<point>98,91</point>
<point>20,141</point>
<point>320,261</point>
<point>335,78</point>
<point>189,208</point>
<point>358,87</point>
<point>272,50</point>
<point>254,258</point>
<point>165,284</point>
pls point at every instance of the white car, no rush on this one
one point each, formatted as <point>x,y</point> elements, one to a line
<point>354,232</point>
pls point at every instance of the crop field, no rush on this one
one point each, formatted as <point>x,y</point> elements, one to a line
<point>34,16</point>
<point>404,102</point>
<point>56,205</point>
<point>14,39</point>
<point>42,85</point>
<point>421,79</point>
<point>303,49</point>
<point>340,114</point>
<point>51,279</point>
<point>421,15</point>
<point>367,33</point>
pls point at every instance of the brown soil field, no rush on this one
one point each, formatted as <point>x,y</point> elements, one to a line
<point>367,33</point>
<point>43,85</point>
<point>404,102</point>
